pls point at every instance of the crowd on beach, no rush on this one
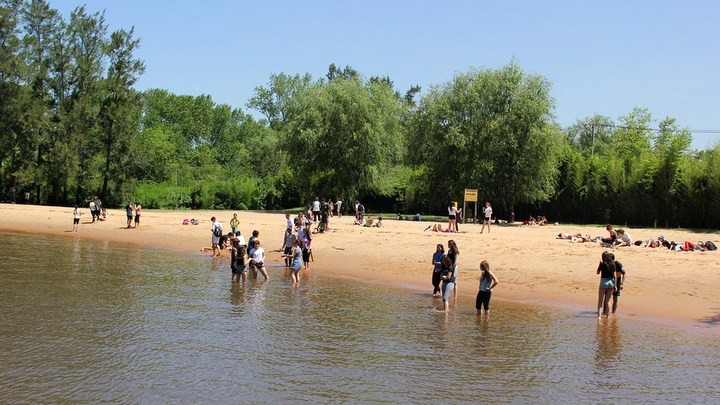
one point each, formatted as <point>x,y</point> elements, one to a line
<point>100,213</point>
<point>621,238</point>
<point>299,232</point>
<point>247,258</point>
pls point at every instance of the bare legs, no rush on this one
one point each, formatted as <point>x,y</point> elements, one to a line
<point>604,295</point>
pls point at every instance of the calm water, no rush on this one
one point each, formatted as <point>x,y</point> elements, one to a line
<point>89,322</point>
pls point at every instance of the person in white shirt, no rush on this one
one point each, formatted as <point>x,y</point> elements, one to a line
<point>257,259</point>
<point>316,209</point>
<point>338,205</point>
<point>452,216</point>
<point>623,238</point>
<point>487,211</point>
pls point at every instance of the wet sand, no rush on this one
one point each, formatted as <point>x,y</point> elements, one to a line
<point>681,288</point>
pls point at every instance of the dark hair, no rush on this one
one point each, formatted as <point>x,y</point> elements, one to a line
<point>256,233</point>
<point>452,247</point>
<point>608,260</point>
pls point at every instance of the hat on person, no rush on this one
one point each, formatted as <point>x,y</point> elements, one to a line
<point>661,237</point>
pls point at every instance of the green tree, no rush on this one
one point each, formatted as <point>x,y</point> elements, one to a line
<point>488,129</point>
<point>120,107</point>
<point>347,133</point>
<point>278,101</point>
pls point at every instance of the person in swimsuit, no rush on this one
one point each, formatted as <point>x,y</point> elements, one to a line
<point>606,269</point>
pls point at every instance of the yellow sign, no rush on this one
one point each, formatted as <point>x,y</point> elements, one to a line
<point>471,195</point>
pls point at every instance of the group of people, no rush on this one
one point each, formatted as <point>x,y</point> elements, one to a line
<point>244,256</point>
<point>131,209</point>
<point>620,237</point>
<point>96,209</point>
<point>250,256</point>
<point>612,278</point>
<point>445,277</point>
<point>540,220</point>
<point>100,213</point>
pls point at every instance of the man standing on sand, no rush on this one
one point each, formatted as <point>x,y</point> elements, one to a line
<point>217,231</point>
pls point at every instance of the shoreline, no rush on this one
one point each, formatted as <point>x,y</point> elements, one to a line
<point>674,288</point>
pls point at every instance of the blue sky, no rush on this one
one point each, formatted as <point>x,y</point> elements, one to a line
<point>602,57</point>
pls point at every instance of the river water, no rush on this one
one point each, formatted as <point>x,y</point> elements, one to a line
<point>94,322</point>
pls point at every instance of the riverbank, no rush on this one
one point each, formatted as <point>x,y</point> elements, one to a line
<point>681,288</point>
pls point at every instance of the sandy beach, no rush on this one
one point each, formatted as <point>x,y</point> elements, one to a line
<point>681,288</point>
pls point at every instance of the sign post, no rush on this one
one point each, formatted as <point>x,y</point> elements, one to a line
<point>470,197</point>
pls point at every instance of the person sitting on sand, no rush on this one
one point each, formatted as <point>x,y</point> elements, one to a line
<point>612,237</point>
<point>378,223</point>
<point>360,220</point>
<point>623,238</point>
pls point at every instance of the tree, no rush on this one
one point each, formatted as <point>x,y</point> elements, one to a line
<point>278,101</point>
<point>120,106</point>
<point>346,134</point>
<point>488,129</point>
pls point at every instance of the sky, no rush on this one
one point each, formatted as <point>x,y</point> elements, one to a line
<point>602,57</point>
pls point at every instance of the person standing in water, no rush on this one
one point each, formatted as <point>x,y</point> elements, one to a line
<point>447,275</point>
<point>296,261</point>
<point>76,218</point>
<point>453,253</point>
<point>437,267</point>
<point>619,281</point>
<point>606,269</point>
<point>488,281</point>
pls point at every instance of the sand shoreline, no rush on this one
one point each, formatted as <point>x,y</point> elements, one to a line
<point>679,288</point>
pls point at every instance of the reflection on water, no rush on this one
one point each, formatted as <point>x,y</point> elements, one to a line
<point>86,321</point>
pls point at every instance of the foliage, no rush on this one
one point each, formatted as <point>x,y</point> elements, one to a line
<point>72,126</point>
<point>347,133</point>
<point>491,130</point>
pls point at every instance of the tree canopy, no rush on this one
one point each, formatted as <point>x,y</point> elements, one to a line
<point>72,125</point>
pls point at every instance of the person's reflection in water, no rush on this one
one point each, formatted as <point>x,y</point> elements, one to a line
<point>609,344</point>
<point>238,299</point>
<point>256,294</point>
